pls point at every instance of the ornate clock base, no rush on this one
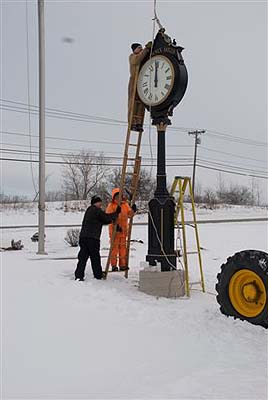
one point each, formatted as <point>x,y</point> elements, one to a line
<point>161,233</point>
<point>161,122</point>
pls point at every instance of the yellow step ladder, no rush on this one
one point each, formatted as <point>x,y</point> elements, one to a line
<point>130,168</point>
<point>178,190</point>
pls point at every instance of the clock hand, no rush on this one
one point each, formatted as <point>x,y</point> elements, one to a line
<point>155,76</point>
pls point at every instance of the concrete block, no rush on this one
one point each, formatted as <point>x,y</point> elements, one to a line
<point>163,284</point>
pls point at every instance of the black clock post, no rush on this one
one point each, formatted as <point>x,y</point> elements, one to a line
<point>162,206</point>
<point>161,212</point>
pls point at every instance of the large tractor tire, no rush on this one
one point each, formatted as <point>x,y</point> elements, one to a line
<point>242,287</point>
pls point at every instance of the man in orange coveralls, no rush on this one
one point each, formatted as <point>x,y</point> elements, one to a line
<point>120,245</point>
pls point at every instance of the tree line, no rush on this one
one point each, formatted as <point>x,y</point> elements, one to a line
<point>87,173</point>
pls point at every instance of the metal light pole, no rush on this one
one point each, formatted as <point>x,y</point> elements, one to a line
<point>197,141</point>
<point>41,202</point>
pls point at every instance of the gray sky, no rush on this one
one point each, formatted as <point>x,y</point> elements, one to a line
<point>225,54</point>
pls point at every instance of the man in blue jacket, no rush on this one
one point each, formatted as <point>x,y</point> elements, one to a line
<point>89,240</point>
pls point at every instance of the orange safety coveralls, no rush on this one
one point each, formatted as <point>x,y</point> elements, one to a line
<point>120,243</point>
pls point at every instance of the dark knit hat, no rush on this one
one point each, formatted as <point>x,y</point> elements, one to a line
<point>135,45</point>
<point>95,199</point>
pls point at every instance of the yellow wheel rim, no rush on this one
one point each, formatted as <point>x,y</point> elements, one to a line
<point>247,293</point>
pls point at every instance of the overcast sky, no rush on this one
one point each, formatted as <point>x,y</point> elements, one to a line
<point>225,54</point>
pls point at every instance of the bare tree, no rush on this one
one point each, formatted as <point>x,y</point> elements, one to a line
<point>198,193</point>
<point>55,195</point>
<point>221,186</point>
<point>210,198</point>
<point>146,185</point>
<point>237,194</point>
<point>82,173</point>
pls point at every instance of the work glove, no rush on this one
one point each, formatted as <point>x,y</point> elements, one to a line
<point>118,228</point>
<point>134,208</point>
<point>149,45</point>
<point>118,210</point>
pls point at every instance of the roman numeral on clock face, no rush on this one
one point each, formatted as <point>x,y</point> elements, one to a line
<point>167,86</point>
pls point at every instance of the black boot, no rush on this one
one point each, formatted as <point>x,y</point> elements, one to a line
<point>124,268</point>
<point>139,128</point>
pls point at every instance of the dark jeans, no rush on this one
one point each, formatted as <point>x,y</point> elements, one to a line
<point>89,248</point>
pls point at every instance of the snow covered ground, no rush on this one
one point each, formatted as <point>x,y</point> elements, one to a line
<point>12,215</point>
<point>106,340</point>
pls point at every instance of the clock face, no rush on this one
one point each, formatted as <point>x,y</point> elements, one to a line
<point>156,80</point>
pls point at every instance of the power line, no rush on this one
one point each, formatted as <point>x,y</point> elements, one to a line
<point>234,167</point>
<point>237,165</point>
<point>104,157</point>
<point>119,152</point>
<point>72,149</point>
<point>64,113</point>
<point>82,140</point>
<point>69,115</point>
<point>242,141</point>
<point>59,111</point>
<point>232,154</point>
<point>144,165</point>
<point>79,163</point>
<point>232,172</point>
<point>72,155</point>
<point>170,158</point>
<point>213,132</point>
<point>62,116</point>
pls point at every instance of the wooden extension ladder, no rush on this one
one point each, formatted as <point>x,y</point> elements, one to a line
<point>178,190</point>
<point>130,172</point>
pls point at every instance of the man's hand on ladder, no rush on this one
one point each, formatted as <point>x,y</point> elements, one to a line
<point>134,208</point>
<point>118,210</point>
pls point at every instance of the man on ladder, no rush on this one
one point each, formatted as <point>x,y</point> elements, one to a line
<point>135,60</point>
<point>119,245</point>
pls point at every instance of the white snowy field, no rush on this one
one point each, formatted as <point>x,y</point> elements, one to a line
<point>12,215</point>
<point>63,339</point>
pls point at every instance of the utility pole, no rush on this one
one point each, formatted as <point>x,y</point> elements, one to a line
<point>197,141</point>
<point>41,202</point>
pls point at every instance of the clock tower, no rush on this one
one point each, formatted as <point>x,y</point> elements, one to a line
<point>161,85</point>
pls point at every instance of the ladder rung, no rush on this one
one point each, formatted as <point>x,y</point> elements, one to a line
<point>132,144</point>
<point>192,252</point>
<point>111,272</point>
<point>195,283</point>
<point>131,173</point>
